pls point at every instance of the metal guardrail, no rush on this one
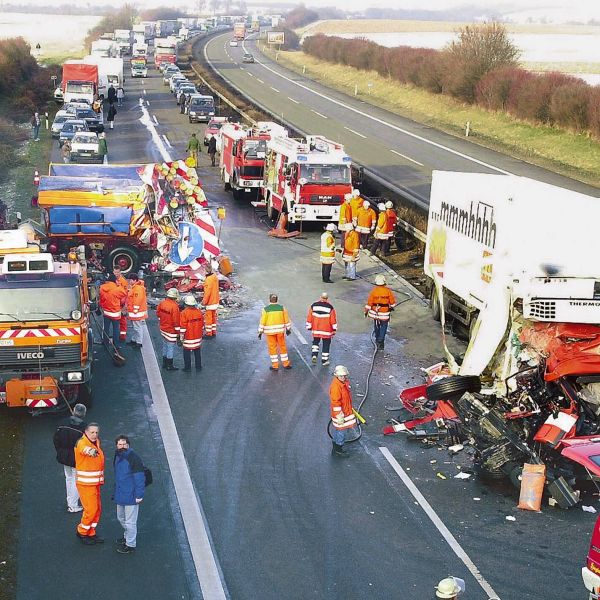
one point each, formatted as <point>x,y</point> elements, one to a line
<point>401,191</point>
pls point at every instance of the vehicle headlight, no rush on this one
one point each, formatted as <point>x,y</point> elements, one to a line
<point>75,376</point>
<point>75,315</point>
<point>299,209</point>
<point>193,113</point>
<point>212,114</point>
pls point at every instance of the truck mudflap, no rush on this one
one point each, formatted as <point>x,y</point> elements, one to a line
<point>32,393</point>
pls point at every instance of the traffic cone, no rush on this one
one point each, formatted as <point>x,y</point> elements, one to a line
<point>36,178</point>
<point>280,230</point>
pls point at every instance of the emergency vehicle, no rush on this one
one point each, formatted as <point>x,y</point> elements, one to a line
<point>45,338</point>
<point>243,152</point>
<point>307,179</point>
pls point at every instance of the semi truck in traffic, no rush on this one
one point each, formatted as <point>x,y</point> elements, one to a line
<point>104,48</point>
<point>165,50</point>
<point>145,28</point>
<point>307,179</point>
<point>239,31</point>
<point>124,38</point>
<point>79,81</point>
<point>243,152</point>
<point>165,28</point>
<point>110,71</point>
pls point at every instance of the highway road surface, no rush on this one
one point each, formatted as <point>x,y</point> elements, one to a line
<point>398,150</point>
<point>248,502</point>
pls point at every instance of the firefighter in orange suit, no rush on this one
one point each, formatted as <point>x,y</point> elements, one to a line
<point>365,222</point>
<point>190,332</point>
<point>345,220</point>
<point>275,324</point>
<point>392,220</point>
<point>112,297</point>
<point>342,413</point>
<point>123,283</point>
<point>321,321</point>
<point>380,304</point>
<point>355,204</point>
<point>381,232</point>
<point>211,300</point>
<point>89,464</point>
<point>169,318</point>
<point>137,309</point>
<point>351,253</point>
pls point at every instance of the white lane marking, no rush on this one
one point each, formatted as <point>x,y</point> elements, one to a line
<point>407,158</point>
<point>147,102</point>
<point>377,120</point>
<point>439,524</point>
<point>248,73</point>
<point>356,132</point>
<point>167,142</point>
<point>294,101</point>
<point>144,91</point>
<point>299,335</point>
<point>275,89</point>
<point>257,79</point>
<point>242,68</point>
<point>234,62</point>
<point>147,122</point>
<point>318,113</point>
<point>155,120</point>
<point>192,513</point>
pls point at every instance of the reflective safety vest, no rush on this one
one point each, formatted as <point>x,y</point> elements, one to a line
<point>122,282</point>
<point>111,300</point>
<point>168,315</point>
<point>380,301</point>
<point>381,228</point>
<point>211,292</point>
<point>274,319</point>
<point>365,220</point>
<point>90,469</point>
<point>321,319</point>
<point>345,219</point>
<point>340,398</point>
<point>351,247</point>
<point>137,306</point>
<point>191,327</point>
<point>327,248</point>
<point>392,219</point>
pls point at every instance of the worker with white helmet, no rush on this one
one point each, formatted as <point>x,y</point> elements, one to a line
<point>351,253</point>
<point>345,220</point>
<point>355,203</point>
<point>380,304</point>
<point>342,412</point>
<point>327,257</point>
<point>168,316</point>
<point>365,222</point>
<point>380,229</point>
<point>190,333</point>
<point>392,220</point>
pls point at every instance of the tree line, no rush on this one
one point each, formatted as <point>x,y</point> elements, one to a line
<point>480,67</point>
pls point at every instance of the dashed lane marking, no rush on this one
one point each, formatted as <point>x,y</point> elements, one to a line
<point>299,335</point>
<point>166,139</point>
<point>407,158</point>
<point>356,132</point>
<point>439,524</point>
<point>144,91</point>
<point>318,113</point>
<point>294,101</point>
<point>250,74</point>
<point>257,79</point>
<point>275,89</point>
<point>155,120</point>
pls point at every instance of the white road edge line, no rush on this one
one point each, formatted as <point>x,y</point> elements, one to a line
<point>295,101</point>
<point>192,513</point>
<point>257,79</point>
<point>167,142</point>
<point>275,89</point>
<point>299,335</point>
<point>155,120</point>
<point>318,113</point>
<point>248,72</point>
<point>439,524</point>
<point>407,158</point>
<point>355,132</point>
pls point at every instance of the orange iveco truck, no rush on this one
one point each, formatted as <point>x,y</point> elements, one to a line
<point>46,349</point>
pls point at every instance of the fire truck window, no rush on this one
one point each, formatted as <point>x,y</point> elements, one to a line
<point>325,173</point>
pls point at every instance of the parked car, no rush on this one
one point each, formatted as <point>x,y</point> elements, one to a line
<point>213,127</point>
<point>201,108</point>
<point>169,72</point>
<point>59,120</point>
<point>93,119</point>
<point>73,107</point>
<point>188,90</point>
<point>174,79</point>
<point>233,43</point>
<point>70,128</point>
<point>248,58</point>
<point>84,147</point>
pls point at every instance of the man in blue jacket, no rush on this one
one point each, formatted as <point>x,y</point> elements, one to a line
<point>129,492</point>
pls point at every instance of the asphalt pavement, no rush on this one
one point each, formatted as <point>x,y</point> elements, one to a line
<point>285,518</point>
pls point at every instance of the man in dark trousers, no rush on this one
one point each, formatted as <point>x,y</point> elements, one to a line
<point>112,94</point>
<point>129,492</point>
<point>212,149</point>
<point>65,437</point>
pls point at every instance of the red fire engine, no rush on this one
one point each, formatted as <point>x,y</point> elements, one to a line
<point>243,153</point>
<point>307,179</point>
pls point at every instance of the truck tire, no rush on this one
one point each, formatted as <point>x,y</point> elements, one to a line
<point>125,257</point>
<point>434,305</point>
<point>453,387</point>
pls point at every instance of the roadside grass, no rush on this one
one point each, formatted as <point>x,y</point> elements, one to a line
<point>574,155</point>
<point>60,56</point>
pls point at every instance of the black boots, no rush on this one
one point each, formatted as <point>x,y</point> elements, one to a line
<point>339,450</point>
<point>168,365</point>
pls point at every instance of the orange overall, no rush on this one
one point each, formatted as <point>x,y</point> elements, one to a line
<point>211,300</point>
<point>275,323</point>
<point>123,284</point>
<point>90,476</point>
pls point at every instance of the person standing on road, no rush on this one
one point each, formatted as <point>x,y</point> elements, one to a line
<point>89,462</point>
<point>103,148</point>
<point>130,484</point>
<point>322,322</point>
<point>380,304</point>
<point>112,94</point>
<point>110,117</point>
<point>345,220</point>
<point>112,297</point>
<point>137,309</point>
<point>381,232</point>
<point>190,332</point>
<point>342,412</point>
<point>365,223</point>
<point>327,257</point>
<point>355,204</point>
<point>65,438</point>
<point>65,151</point>
<point>120,95</point>
<point>392,221</point>
<point>193,148</point>
<point>275,323</point>
<point>169,319</point>
<point>211,300</point>
<point>181,102</point>
<point>212,149</point>
<point>36,123</point>
<point>124,285</point>
<point>351,253</point>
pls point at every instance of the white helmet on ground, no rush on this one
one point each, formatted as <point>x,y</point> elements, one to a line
<point>330,227</point>
<point>381,206</point>
<point>172,293</point>
<point>447,588</point>
<point>389,204</point>
<point>189,300</point>
<point>380,280</point>
<point>340,370</point>
<point>366,204</point>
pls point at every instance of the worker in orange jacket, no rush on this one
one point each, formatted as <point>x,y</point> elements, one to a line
<point>89,465</point>
<point>355,204</point>
<point>190,331</point>
<point>275,324</point>
<point>342,412</point>
<point>392,221</point>
<point>112,297</point>
<point>137,309</point>
<point>169,319</point>
<point>321,321</point>
<point>123,283</point>
<point>351,253</point>
<point>365,222</point>
<point>345,220</point>
<point>211,300</point>
<point>381,231</point>
<point>380,304</point>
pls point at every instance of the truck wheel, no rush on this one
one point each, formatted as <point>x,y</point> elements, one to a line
<point>272,212</point>
<point>226,184</point>
<point>453,387</point>
<point>85,395</point>
<point>124,257</point>
<point>434,305</point>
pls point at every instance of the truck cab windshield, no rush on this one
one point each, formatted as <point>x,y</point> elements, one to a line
<point>328,174</point>
<point>80,87</point>
<point>255,148</point>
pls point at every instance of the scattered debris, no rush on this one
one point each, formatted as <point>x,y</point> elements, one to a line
<point>462,475</point>
<point>441,475</point>
<point>588,509</point>
<point>510,518</point>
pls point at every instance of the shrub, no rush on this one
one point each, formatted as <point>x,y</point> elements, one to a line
<point>496,87</point>
<point>569,106</point>
<point>292,41</point>
<point>300,16</point>
<point>594,112</point>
